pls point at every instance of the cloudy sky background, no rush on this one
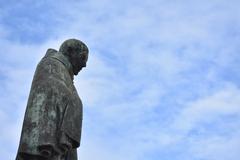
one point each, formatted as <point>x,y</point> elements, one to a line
<point>162,81</point>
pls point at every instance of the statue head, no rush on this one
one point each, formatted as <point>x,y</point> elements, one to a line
<point>76,52</point>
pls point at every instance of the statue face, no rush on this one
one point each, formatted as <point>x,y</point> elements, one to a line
<point>79,61</point>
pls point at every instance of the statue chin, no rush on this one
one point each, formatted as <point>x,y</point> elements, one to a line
<point>75,72</point>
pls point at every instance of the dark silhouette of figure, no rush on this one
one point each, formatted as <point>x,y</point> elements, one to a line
<point>53,118</point>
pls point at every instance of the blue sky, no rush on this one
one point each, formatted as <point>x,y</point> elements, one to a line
<point>162,81</point>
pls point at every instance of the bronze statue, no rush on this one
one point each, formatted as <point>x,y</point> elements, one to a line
<point>53,118</point>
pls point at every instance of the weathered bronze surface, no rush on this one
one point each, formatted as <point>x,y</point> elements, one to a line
<point>53,118</point>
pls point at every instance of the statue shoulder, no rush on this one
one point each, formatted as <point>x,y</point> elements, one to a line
<point>51,52</point>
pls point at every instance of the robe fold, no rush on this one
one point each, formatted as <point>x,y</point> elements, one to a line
<point>53,118</point>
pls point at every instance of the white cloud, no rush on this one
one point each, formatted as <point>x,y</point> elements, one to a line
<point>216,148</point>
<point>207,109</point>
<point>146,60</point>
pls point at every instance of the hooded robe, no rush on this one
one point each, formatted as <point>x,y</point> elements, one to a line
<point>53,118</point>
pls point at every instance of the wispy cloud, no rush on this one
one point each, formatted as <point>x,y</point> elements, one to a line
<point>161,81</point>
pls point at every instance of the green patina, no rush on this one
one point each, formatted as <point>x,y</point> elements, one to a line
<point>53,118</point>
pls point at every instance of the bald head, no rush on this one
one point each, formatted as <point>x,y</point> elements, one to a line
<point>73,45</point>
